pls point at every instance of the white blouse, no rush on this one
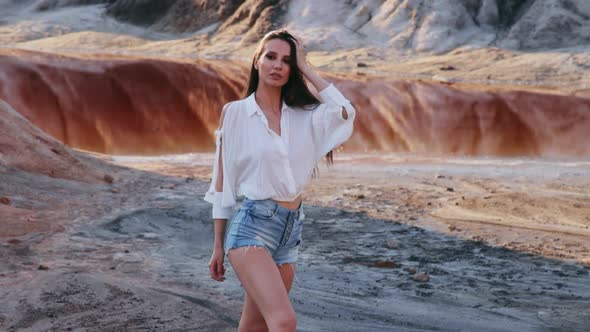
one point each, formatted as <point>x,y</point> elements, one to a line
<point>259,164</point>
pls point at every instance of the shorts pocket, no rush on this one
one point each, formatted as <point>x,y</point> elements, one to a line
<point>261,212</point>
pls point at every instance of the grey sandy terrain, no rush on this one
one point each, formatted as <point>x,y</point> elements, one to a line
<point>136,259</point>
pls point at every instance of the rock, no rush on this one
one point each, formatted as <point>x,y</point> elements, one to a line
<point>108,179</point>
<point>446,68</point>
<point>347,259</point>
<point>421,277</point>
<point>410,270</point>
<point>361,196</point>
<point>5,200</point>
<point>115,190</point>
<point>14,241</point>
<point>392,244</point>
<point>43,267</point>
<point>361,65</point>
<point>128,257</point>
<point>450,189</point>
<point>440,176</point>
<point>453,228</point>
<point>442,79</point>
<point>148,236</point>
<point>385,264</point>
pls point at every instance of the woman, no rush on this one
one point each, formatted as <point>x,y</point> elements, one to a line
<point>268,146</point>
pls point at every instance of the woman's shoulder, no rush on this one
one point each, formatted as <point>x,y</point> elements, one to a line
<point>237,104</point>
<point>233,110</point>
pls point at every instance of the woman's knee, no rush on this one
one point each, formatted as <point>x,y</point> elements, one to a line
<point>253,327</point>
<point>284,321</point>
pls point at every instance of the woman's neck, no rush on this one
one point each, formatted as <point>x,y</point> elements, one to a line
<point>268,97</point>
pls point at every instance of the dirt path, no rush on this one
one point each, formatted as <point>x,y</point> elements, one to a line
<point>137,259</point>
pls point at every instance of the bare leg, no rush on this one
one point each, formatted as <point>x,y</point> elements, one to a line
<point>252,320</point>
<point>264,285</point>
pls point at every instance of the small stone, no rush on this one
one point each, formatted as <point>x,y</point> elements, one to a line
<point>361,65</point>
<point>452,228</point>
<point>410,270</point>
<point>447,68</point>
<point>108,179</point>
<point>421,277</point>
<point>385,264</point>
<point>392,244</point>
<point>440,176</point>
<point>347,259</point>
<point>5,200</point>
<point>361,196</point>
<point>115,190</point>
<point>450,189</point>
<point>43,267</point>
<point>14,241</point>
<point>442,79</point>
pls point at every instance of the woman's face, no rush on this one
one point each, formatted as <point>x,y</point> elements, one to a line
<point>274,63</point>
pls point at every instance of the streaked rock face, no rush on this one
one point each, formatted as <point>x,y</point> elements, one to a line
<point>121,106</point>
<point>420,116</point>
<point>144,106</point>
<point>416,25</point>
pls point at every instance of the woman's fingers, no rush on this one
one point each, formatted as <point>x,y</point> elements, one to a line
<point>217,270</point>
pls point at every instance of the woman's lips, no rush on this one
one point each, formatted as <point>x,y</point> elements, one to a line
<point>276,76</point>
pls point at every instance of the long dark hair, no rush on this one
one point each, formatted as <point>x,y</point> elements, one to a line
<point>295,92</point>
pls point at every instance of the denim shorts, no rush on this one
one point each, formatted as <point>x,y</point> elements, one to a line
<point>264,223</point>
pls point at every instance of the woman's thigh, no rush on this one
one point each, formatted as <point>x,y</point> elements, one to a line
<point>264,283</point>
<point>252,319</point>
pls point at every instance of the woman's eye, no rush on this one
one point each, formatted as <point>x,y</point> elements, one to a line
<point>270,57</point>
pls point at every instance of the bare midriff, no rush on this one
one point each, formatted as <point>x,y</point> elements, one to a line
<point>294,205</point>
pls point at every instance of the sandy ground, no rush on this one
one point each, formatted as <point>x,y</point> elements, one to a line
<point>385,248</point>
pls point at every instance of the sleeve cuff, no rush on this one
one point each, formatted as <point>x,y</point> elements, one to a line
<point>218,212</point>
<point>333,96</point>
<point>222,213</point>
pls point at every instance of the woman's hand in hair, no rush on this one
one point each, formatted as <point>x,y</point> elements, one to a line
<point>318,82</point>
<point>301,60</point>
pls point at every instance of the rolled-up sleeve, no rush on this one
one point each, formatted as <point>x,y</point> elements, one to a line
<point>330,127</point>
<point>223,201</point>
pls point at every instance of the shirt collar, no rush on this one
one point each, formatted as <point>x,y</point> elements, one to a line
<point>255,109</point>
